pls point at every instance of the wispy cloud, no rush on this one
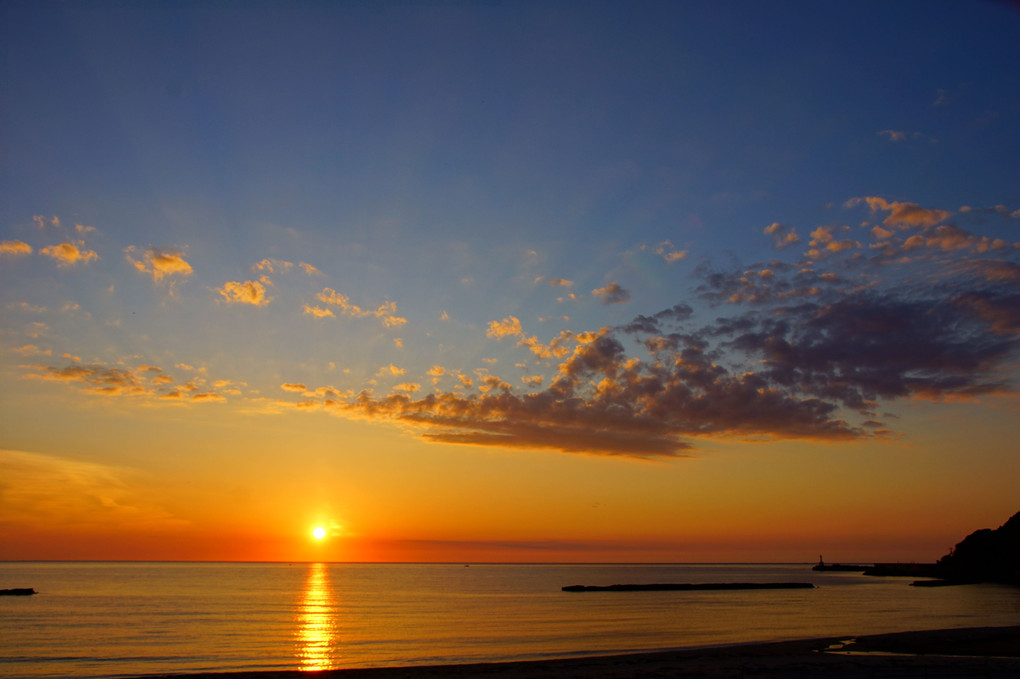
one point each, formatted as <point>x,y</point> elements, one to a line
<point>385,312</point>
<point>669,252</point>
<point>897,136</point>
<point>49,490</point>
<point>142,381</point>
<point>555,282</point>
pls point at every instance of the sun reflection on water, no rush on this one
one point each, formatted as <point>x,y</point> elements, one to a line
<point>317,621</point>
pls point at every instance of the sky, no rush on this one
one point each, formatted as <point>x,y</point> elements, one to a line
<point>508,281</point>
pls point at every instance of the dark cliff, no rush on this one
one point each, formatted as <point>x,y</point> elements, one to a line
<point>985,556</point>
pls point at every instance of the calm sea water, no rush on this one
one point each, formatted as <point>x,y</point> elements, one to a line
<point>117,619</point>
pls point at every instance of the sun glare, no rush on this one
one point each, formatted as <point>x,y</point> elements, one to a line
<point>319,532</point>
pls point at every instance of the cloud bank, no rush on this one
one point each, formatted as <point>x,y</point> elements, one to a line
<point>811,349</point>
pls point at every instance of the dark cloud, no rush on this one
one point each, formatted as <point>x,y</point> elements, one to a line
<point>765,284</point>
<point>874,345</point>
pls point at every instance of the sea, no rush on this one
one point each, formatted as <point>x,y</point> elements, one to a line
<point>129,619</point>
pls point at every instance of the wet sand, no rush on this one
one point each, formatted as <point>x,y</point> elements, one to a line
<point>986,652</point>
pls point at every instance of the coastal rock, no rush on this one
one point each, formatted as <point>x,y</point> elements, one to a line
<point>985,556</point>
<point>18,591</point>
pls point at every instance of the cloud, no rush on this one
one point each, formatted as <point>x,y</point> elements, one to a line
<point>902,214</point>
<point>309,269</point>
<point>926,310</point>
<point>386,312</point>
<point>508,327</point>
<point>47,490</point>
<point>248,292</point>
<point>98,379</point>
<point>782,235</point>
<point>612,294</point>
<point>272,265</point>
<point>669,253</point>
<point>294,386</point>
<point>801,368</point>
<point>159,262</point>
<point>318,311</point>
<point>41,222</point>
<point>555,282</point>
<point>15,248</point>
<point>995,209</point>
<point>32,350</point>
<point>884,345</point>
<point>772,282</point>
<point>144,381</point>
<point>69,254</point>
<point>997,270</point>
<point>824,241</point>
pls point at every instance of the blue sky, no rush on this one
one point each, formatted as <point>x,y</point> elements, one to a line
<point>402,199</point>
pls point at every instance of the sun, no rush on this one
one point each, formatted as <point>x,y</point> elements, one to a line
<point>319,533</point>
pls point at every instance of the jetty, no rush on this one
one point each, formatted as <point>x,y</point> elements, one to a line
<point>688,587</point>
<point>904,570</point>
<point>18,591</point>
<point>839,567</point>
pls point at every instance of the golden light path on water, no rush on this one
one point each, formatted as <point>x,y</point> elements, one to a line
<point>317,621</point>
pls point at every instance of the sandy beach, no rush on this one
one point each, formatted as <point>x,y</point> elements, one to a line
<point>989,652</point>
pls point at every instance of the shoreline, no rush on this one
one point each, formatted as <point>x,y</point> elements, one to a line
<point>964,652</point>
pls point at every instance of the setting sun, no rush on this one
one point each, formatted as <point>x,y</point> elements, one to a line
<point>319,533</point>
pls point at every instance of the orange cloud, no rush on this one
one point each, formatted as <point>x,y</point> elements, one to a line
<point>15,248</point>
<point>318,311</point>
<point>160,263</point>
<point>902,214</point>
<point>69,254</point>
<point>248,292</point>
<point>143,381</point>
<point>391,370</point>
<point>32,350</point>
<point>508,327</point>
<point>97,379</point>
<point>386,312</point>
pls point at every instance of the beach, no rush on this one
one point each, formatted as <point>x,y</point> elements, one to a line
<point>990,652</point>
